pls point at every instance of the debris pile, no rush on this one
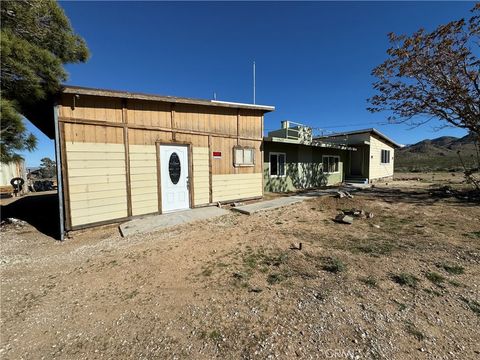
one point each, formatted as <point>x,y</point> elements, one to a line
<point>296,246</point>
<point>344,219</point>
<point>342,194</point>
<point>42,185</point>
<point>347,216</point>
<point>12,223</point>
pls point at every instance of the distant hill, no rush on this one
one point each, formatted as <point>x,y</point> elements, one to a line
<point>436,154</point>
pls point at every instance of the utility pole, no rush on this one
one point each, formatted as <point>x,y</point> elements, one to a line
<point>254,82</point>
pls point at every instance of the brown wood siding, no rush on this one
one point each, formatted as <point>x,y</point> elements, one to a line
<point>93,134</point>
<point>250,124</point>
<point>148,137</point>
<point>148,113</point>
<point>223,165</point>
<point>91,108</point>
<point>196,118</point>
<point>195,140</point>
<point>203,119</point>
<point>102,123</point>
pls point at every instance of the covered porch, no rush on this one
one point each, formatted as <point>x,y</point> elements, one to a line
<point>357,165</point>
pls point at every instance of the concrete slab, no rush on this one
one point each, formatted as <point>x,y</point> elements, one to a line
<point>157,222</point>
<point>269,204</point>
<point>283,201</point>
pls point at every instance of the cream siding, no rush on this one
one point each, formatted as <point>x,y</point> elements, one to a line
<point>143,179</point>
<point>236,186</point>
<point>377,169</point>
<point>12,170</point>
<point>200,175</point>
<point>97,182</point>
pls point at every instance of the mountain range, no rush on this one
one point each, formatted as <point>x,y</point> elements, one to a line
<point>436,154</point>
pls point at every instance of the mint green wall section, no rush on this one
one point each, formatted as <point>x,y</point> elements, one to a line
<point>283,184</point>
<point>303,167</point>
<point>336,178</point>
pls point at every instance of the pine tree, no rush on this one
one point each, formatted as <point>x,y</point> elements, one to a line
<point>36,41</point>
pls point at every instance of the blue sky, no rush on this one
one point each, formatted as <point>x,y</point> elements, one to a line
<point>313,59</point>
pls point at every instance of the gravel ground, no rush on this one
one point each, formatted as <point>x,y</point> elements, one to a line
<point>404,284</point>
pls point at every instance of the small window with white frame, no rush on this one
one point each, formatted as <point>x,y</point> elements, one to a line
<point>277,164</point>
<point>385,157</point>
<point>331,164</point>
<point>243,156</point>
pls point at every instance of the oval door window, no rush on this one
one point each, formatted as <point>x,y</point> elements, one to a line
<point>174,168</point>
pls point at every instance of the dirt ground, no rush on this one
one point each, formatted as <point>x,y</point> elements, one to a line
<point>428,179</point>
<point>404,284</point>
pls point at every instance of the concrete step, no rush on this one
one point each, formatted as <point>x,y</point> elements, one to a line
<point>151,223</point>
<point>350,180</point>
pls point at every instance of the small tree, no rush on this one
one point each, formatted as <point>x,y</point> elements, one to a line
<point>36,40</point>
<point>48,168</point>
<point>432,75</point>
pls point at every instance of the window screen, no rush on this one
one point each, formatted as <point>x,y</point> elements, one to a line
<point>277,164</point>
<point>331,164</point>
<point>385,157</point>
<point>248,156</point>
<point>244,156</point>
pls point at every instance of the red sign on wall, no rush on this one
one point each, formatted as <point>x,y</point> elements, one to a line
<point>217,154</point>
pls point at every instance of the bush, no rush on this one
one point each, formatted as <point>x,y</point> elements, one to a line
<point>405,279</point>
<point>334,265</point>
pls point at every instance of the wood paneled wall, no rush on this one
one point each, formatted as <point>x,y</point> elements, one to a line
<point>139,126</point>
<point>91,108</point>
<point>93,134</point>
<point>231,122</point>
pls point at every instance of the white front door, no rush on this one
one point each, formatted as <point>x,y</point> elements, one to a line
<point>174,177</point>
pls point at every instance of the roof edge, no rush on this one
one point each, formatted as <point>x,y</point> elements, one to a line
<point>278,140</point>
<point>362,131</point>
<point>80,90</point>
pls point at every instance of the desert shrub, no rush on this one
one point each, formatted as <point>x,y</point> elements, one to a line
<point>405,279</point>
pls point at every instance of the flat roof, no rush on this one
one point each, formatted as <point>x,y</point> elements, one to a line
<point>317,144</point>
<point>79,90</point>
<point>363,131</point>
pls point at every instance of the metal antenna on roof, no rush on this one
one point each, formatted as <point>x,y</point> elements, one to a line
<point>254,82</point>
<point>214,95</point>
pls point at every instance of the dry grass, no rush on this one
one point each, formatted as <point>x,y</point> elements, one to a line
<point>233,288</point>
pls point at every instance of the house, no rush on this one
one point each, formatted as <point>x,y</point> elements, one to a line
<point>373,160</point>
<point>123,154</point>
<point>294,161</point>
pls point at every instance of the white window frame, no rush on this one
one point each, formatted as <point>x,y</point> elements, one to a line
<point>331,156</point>
<point>387,157</point>
<point>241,163</point>
<point>270,164</point>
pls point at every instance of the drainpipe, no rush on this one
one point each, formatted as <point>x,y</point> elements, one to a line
<point>58,161</point>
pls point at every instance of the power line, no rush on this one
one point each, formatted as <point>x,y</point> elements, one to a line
<point>358,124</point>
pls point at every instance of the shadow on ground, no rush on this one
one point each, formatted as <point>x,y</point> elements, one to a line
<point>424,196</point>
<point>39,210</point>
